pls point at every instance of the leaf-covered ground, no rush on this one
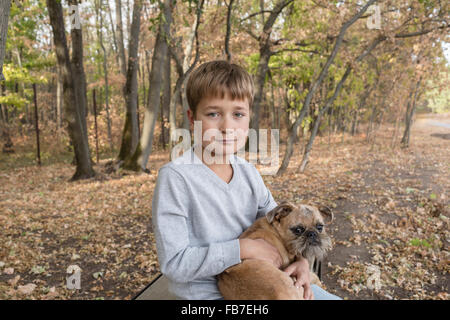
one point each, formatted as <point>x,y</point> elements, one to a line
<point>390,234</point>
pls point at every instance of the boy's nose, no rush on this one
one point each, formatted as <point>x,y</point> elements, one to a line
<point>225,125</point>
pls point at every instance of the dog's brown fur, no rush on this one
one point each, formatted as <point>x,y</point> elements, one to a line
<point>255,279</point>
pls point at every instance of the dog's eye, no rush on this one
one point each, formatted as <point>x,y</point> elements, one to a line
<point>319,227</point>
<point>298,230</point>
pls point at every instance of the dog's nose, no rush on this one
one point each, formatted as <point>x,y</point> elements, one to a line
<point>311,235</point>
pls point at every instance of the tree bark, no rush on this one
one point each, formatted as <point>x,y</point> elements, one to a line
<point>227,35</point>
<point>113,31</point>
<point>74,114</point>
<point>186,64</point>
<point>5,6</point>
<point>140,157</point>
<point>130,136</point>
<point>36,125</point>
<point>105,71</point>
<point>165,103</point>
<point>354,122</point>
<point>409,116</point>
<point>79,76</point>
<point>59,99</point>
<point>183,71</point>
<point>119,33</point>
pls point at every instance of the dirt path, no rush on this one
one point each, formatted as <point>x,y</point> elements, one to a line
<point>394,190</point>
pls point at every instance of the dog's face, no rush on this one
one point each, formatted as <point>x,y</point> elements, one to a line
<point>302,228</point>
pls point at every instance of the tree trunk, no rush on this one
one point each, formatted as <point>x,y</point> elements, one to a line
<point>409,116</point>
<point>36,125</point>
<point>130,136</point>
<point>59,99</point>
<point>263,67</point>
<point>343,125</point>
<point>183,71</point>
<point>140,157</point>
<point>165,103</point>
<point>272,105</point>
<point>113,31</point>
<point>354,122</point>
<point>119,33</point>
<point>330,116</point>
<point>186,64</point>
<point>227,35</point>
<point>105,71</point>
<point>5,6</point>
<point>79,76</point>
<point>74,114</point>
<point>308,147</point>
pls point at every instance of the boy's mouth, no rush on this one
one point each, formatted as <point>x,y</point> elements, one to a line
<point>227,141</point>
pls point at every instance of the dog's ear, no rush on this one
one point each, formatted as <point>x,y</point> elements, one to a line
<point>279,212</point>
<point>326,213</point>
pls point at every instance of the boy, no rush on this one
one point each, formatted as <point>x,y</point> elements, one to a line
<point>201,207</point>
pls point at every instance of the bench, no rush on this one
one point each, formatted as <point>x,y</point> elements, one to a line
<point>158,287</point>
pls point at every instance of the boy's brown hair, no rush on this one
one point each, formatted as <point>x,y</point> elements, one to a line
<point>214,79</point>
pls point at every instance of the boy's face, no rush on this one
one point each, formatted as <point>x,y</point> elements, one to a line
<point>225,123</point>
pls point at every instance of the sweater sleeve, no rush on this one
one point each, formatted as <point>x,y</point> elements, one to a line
<point>179,261</point>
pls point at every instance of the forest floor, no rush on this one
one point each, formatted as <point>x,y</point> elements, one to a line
<point>390,233</point>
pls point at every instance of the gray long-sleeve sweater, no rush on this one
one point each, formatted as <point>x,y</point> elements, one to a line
<point>197,218</point>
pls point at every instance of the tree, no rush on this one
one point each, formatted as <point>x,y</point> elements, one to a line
<point>265,44</point>
<point>140,157</point>
<point>119,35</point>
<point>130,136</point>
<point>315,85</point>
<point>98,9</point>
<point>183,68</point>
<point>74,114</point>
<point>5,6</point>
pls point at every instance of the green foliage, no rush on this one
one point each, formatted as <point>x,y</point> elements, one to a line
<point>416,242</point>
<point>252,62</point>
<point>13,99</point>
<point>15,74</point>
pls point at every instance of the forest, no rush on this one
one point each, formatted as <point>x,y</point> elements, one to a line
<point>92,92</point>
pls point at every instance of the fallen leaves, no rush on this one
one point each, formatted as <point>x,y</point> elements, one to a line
<point>26,289</point>
<point>98,225</point>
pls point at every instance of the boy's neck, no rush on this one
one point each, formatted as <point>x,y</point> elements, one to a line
<point>223,164</point>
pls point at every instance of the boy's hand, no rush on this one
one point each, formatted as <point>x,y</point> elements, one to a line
<point>300,269</point>
<point>260,249</point>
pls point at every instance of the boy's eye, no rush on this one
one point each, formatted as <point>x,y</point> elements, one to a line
<point>239,115</point>
<point>212,114</point>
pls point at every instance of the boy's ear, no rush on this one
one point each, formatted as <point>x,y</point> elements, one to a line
<point>280,212</point>
<point>191,117</point>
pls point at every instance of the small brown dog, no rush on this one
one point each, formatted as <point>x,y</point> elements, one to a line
<point>294,232</point>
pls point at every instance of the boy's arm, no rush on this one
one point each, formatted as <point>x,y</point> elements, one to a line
<point>179,261</point>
